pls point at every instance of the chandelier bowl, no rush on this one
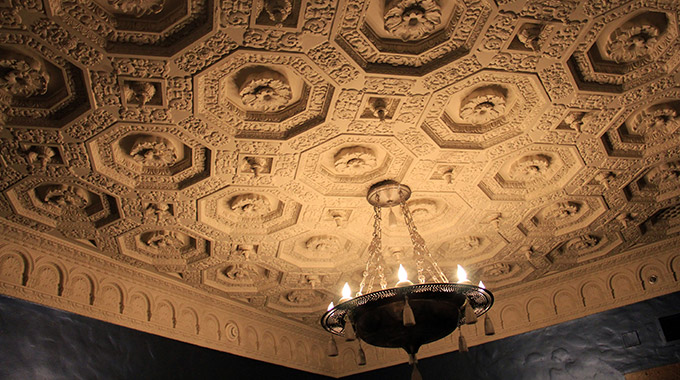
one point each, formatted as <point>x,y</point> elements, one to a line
<point>377,316</point>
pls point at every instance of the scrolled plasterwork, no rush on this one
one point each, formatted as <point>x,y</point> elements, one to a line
<point>304,297</point>
<point>250,205</point>
<point>241,272</point>
<point>667,173</point>
<point>632,41</point>
<point>137,8</point>
<point>483,105</point>
<point>278,10</point>
<point>582,243</point>
<point>138,93</point>
<point>412,20</point>
<point>355,160</point>
<point>265,90</point>
<point>152,150</point>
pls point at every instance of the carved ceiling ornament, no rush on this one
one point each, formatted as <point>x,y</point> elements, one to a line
<point>665,174</point>
<point>483,105</point>
<point>530,167</point>
<point>250,205</point>
<point>497,271</point>
<point>152,150</point>
<point>61,196</point>
<point>165,240</point>
<point>138,92</point>
<point>412,20</point>
<point>138,8</point>
<point>241,272</point>
<point>323,244</point>
<point>657,119</point>
<point>355,160</point>
<point>278,10</point>
<point>582,243</point>
<point>304,297</point>
<point>561,211</point>
<point>633,40</point>
<point>265,90</point>
<point>22,75</point>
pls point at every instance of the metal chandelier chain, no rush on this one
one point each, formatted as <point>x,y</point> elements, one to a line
<point>424,260</point>
<point>376,263</point>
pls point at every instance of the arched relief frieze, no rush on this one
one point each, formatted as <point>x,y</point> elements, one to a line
<point>110,297</point>
<point>210,328</point>
<point>674,267</point>
<point>139,306</point>
<point>188,321</point>
<point>300,353</point>
<point>593,294</point>
<point>14,267</point>
<point>565,301</point>
<point>48,277</point>
<point>81,287</point>
<point>269,346</point>
<point>512,317</point>
<point>653,275</point>
<point>538,309</point>
<point>622,285</point>
<point>251,339</point>
<point>164,314</point>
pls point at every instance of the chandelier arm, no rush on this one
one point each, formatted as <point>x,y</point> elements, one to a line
<point>420,249</point>
<point>375,264</point>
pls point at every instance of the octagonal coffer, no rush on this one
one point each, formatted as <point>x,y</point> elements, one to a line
<point>255,95</point>
<point>150,157</point>
<point>625,48</point>
<point>409,37</point>
<point>39,89</point>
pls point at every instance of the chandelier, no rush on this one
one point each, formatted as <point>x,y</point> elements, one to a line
<point>407,315</point>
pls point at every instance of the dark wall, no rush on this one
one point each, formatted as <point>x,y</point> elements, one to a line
<point>587,348</point>
<point>42,343</point>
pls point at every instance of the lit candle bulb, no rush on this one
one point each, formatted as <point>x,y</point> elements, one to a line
<point>346,293</point>
<point>330,306</point>
<point>403,277</point>
<point>462,276</point>
<point>481,285</point>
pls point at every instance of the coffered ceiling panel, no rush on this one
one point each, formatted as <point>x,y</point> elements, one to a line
<point>223,149</point>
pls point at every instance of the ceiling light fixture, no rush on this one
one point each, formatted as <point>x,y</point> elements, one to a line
<point>407,315</point>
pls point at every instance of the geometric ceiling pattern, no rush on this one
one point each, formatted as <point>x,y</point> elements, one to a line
<point>228,146</point>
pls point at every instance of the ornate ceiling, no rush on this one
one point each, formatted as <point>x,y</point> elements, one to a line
<point>220,152</point>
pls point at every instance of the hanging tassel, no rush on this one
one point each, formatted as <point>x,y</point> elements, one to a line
<point>488,326</point>
<point>392,218</point>
<point>470,316</point>
<point>332,348</point>
<point>350,335</point>
<point>462,344</point>
<point>408,318</point>
<point>413,361</point>
<point>362,355</point>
